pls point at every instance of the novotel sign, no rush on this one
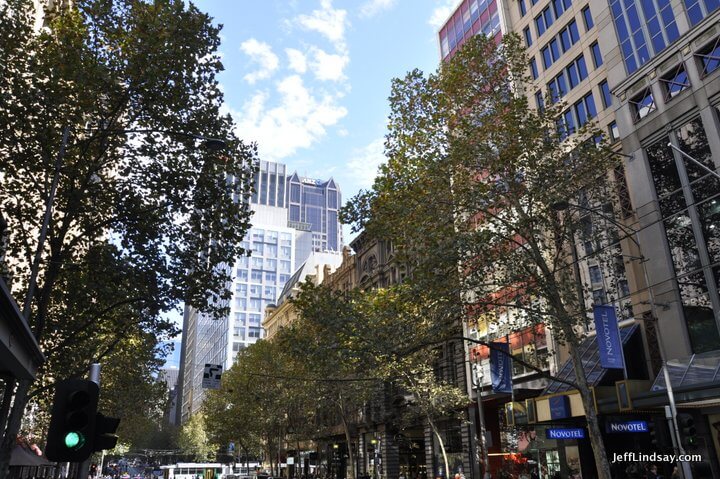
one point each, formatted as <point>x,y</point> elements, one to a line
<point>626,426</point>
<point>563,433</point>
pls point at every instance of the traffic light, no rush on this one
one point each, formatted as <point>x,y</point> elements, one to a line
<point>105,428</point>
<point>72,425</point>
<point>686,424</point>
<point>652,431</point>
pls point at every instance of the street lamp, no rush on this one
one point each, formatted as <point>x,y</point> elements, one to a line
<point>477,380</point>
<point>213,144</point>
<point>697,162</point>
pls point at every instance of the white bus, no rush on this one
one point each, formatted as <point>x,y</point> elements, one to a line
<point>207,470</point>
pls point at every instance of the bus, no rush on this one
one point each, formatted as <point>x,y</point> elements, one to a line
<point>207,470</point>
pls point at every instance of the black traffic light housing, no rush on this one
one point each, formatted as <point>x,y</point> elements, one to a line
<point>688,433</point>
<point>105,428</point>
<point>72,425</point>
<point>652,431</point>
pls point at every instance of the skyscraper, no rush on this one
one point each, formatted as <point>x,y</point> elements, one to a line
<point>292,217</point>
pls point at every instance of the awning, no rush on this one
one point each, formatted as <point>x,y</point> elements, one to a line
<point>590,354</point>
<point>25,457</point>
<point>701,368</point>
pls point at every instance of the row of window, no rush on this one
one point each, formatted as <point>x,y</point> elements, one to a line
<point>567,37</point>
<point>699,9</point>
<point>240,319</point>
<point>256,291</point>
<point>256,276</point>
<point>472,17</point>
<point>568,79</point>
<point>270,237</point>
<point>676,81</point>
<point>255,304</point>
<point>267,264</point>
<point>578,115</point>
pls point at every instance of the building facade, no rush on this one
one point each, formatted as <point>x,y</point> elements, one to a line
<point>647,73</point>
<point>278,245</point>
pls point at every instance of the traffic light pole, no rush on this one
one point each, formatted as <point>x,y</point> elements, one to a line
<point>83,469</point>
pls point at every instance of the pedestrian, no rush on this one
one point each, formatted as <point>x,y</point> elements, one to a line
<point>652,472</point>
<point>675,474</point>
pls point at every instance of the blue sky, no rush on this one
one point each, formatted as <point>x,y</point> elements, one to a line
<point>309,79</point>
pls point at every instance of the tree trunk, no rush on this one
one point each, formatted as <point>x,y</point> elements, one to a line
<point>351,453</point>
<point>7,401</point>
<point>442,447</point>
<point>598,445</point>
<point>13,426</point>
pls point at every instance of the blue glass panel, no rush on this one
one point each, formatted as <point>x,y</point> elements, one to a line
<point>528,36</point>
<point>539,25</point>
<point>547,58</point>
<point>671,30</point>
<point>569,121</point>
<point>523,8</point>
<point>653,26</point>
<point>590,104</point>
<point>567,3</point>
<point>574,35</point>
<point>587,16</point>
<point>712,5</point>
<point>572,73</point>
<point>565,40</point>
<point>658,43</point>
<point>695,13</point>
<point>616,9</point>
<point>554,49</point>
<point>648,8</point>
<point>597,56</point>
<point>643,54</point>
<point>582,68</point>
<point>533,69</point>
<point>622,30</point>
<point>547,13</point>
<point>552,86</point>
<point>633,18</point>
<point>540,101</point>
<point>581,113</point>
<point>558,7</point>
<point>562,86</point>
<point>606,97</point>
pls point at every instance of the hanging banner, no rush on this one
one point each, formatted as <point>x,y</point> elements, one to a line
<point>608,337</point>
<point>500,368</point>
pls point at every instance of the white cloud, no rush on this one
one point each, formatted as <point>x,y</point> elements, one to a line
<point>298,121</point>
<point>365,163</point>
<point>328,66</point>
<point>328,22</point>
<point>297,60</point>
<point>442,12</point>
<point>262,54</point>
<point>373,7</point>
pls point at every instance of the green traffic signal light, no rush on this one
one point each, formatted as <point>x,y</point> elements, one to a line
<point>73,440</point>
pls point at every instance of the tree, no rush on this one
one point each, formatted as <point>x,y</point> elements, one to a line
<point>193,439</point>
<point>469,192</point>
<point>107,102</point>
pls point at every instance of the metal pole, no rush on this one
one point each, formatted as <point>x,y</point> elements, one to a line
<point>477,372</point>
<point>698,163</point>
<point>32,284</point>
<point>84,467</point>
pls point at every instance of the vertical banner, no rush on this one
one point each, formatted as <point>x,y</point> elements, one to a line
<point>608,337</point>
<point>500,367</point>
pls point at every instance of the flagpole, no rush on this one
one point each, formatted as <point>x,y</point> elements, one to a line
<point>512,388</point>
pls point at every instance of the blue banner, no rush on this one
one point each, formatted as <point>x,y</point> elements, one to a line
<point>608,337</point>
<point>500,367</point>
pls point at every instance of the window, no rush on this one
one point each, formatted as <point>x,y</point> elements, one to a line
<point>675,82</point>
<point>547,57</point>
<point>254,332</point>
<point>595,274</point>
<point>254,319</point>
<point>709,57</point>
<point>255,305</point>
<point>587,18</point>
<point>539,100</point>
<point>605,94</point>
<point>269,293</point>
<point>284,266</point>
<point>271,237</point>
<point>286,239</point>
<point>559,6</point>
<point>699,9</point>
<point>255,290</point>
<point>554,49</point>
<point>270,278</point>
<point>528,36</point>
<point>569,122</point>
<point>644,28</point>
<point>257,263</point>
<point>597,56</point>
<point>240,303</point>
<point>523,7</point>
<point>567,37</point>
<point>565,40</point>
<point>270,264</point>
<point>540,25</point>
<point>256,275</point>
<point>574,34</point>
<point>533,69</point>
<point>557,87</point>
<point>241,274</point>
<point>241,289</point>
<point>283,278</point>
<point>599,297</point>
<point>643,104</point>
<point>257,248</point>
<point>614,132</point>
<point>258,235</point>
<point>271,250</point>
